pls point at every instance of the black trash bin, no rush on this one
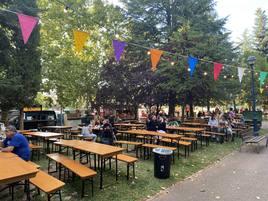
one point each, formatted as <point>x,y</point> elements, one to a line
<point>162,160</point>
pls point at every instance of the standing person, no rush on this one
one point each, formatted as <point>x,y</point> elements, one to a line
<point>16,143</point>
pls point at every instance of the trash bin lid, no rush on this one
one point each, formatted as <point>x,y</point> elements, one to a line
<point>162,151</point>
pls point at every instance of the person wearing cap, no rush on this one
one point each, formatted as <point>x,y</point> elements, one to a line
<point>88,133</point>
<point>16,143</point>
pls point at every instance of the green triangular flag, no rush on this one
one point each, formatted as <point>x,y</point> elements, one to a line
<point>262,77</point>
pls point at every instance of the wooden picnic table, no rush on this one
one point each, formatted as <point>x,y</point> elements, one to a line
<point>7,155</point>
<point>195,124</point>
<point>152,134</point>
<point>185,129</point>
<point>14,169</point>
<point>62,129</point>
<point>45,136</point>
<point>128,126</point>
<point>102,150</point>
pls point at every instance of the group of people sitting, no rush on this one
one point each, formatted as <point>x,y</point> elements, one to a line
<point>223,122</point>
<point>107,134</point>
<point>156,123</point>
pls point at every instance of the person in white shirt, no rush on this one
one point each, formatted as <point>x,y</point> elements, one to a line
<point>213,122</point>
<point>87,132</point>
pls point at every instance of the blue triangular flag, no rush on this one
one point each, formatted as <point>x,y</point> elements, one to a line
<point>192,61</point>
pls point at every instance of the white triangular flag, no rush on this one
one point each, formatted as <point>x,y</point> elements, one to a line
<point>240,73</point>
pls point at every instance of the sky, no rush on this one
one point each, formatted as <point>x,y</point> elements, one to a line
<point>241,14</point>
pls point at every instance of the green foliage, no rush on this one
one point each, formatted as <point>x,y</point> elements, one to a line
<point>75,77</point>
<point>20,68</point>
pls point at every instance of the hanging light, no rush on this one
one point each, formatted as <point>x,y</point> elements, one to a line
<point>232,76</point>
<point>172,63</point>
<point>225,76</point>
<point>189,69</point>
<point>205,73</point>
<point>148,52</point>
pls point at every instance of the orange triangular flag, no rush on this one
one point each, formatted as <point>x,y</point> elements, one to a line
<point>80,39</point>
<point>155,57</point>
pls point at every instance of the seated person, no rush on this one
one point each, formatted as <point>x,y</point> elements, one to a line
<point>87,132</point>
<point>162,125</point>
<point>16,143</point>
<point>152,124</point>
<point>107,136</point>
<point>213,122</point>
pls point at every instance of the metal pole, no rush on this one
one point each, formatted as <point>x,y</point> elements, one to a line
<point>255,128</point>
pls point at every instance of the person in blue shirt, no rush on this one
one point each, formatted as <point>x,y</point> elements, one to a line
<point>16,143</point>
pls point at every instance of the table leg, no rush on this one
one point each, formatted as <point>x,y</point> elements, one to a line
<point>116,168</point>
<point>27,185</point>
<point>101,176</point>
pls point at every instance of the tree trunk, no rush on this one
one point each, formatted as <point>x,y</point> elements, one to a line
<point>191,105</point>
<point>21,120</point>
<point>234,104</point>
<point>4,116</point>
<point>208,105</point>
<point>171,104</point>
<point>183,112</point>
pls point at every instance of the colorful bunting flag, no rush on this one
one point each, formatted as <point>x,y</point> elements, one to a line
<point>192,62</point>
<point>262,77</point>
<point>217,70</point>
<point>80,39</point>
<point>27,24</point>
<point>155,57</point>
<point>261,90</point>
<point>119,47</point>
<point>240,73</point>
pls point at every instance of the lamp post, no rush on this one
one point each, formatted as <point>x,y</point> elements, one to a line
<point>251,61</point>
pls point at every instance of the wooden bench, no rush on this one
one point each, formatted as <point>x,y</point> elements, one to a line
<point>248,138</point>
<point>130,162</point>
<point>148,149</point>
<point>36,149</point>
<point>201,136</point>
<point>179,143</point>
<point>34,164</point>
<point>220,135</point>
<point>137,145</point>
<point>48,184</point>
<point>75,167</point>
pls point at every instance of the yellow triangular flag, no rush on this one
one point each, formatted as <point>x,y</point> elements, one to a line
<point>155,57</point>
<point>261,90</point>
<point>80,39</point>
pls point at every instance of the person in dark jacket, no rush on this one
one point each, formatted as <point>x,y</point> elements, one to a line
<point>107,136</point>
<point>152,124</point>
<point>161,124</point>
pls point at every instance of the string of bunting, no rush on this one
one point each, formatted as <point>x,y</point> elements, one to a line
<point>28,23</point>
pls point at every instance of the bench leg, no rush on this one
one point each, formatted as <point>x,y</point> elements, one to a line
<point>127,171</point>
<point>92,186</point>
<point>60,195</point>
<point>133,165</point>
<point>83,188</point>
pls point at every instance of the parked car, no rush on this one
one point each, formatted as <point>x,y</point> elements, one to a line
<point>36,119</point>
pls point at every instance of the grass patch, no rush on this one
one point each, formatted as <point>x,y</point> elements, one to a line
<point>145,185</point>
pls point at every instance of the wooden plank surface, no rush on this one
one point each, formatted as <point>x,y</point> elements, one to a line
<point>15,169</point>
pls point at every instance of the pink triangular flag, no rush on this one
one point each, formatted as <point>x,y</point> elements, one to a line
<point>217,70</point>
<point>27,24</point>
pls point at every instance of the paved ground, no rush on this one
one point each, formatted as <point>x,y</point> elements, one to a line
<point>241,176</point>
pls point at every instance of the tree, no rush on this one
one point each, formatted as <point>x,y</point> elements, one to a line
<point>260,31</point>
<point>74,77</point>
<point>21,69</point>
